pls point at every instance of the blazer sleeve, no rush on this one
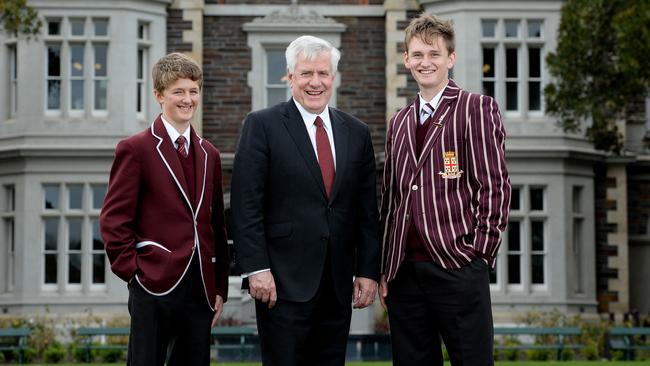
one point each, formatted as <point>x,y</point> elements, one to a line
<point>388,188</point>
<point>368,247</point>
<point>117,219</point>
<point>488,176</point>
<point>250,170</point>
<point>222,265</point>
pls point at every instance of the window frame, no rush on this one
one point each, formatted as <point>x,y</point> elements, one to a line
<point>525,215</point>
<point>523,42</point>
<point>88,213</point>
<point>143,86</point>
<point>66,40</point>
<point>8,233</point>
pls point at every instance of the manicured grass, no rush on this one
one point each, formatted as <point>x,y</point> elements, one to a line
<point>513,363</point>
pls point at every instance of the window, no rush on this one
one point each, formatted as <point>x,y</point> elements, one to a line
<point>524,253</point>
<point>77,66</point>
<point>74,257</point>
<point>577,251</point>
<point>277,90</point>
<point>8,237</point>
<point>267,39</point>
<point>142,72</point>
<point>512,52</point>
<point>12,52</point>
<point>514,253</point>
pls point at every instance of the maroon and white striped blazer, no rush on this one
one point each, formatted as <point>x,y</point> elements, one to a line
<point>457,191</point>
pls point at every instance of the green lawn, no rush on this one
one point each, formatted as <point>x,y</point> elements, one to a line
<point>517,363</point>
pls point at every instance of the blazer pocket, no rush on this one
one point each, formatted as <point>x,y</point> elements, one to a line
<point>278,230</point>
<point>147,243</point>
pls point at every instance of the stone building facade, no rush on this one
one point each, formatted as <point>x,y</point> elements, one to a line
<point>579,236</point>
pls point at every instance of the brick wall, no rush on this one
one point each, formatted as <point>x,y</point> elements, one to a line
<point>362,67</point>
<point>175,27</point>
<point>227,61</point>
<point>638,203</point>
<point>411,89</point>
<point>226,95</point>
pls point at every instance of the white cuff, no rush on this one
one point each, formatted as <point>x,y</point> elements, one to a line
<point>246,275</point>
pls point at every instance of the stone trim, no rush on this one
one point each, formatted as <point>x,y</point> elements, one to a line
<point>324,10</point>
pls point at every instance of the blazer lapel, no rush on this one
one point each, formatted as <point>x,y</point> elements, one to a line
<point>200,168</point>
<point>296,127</point>
<point>170,158</point>
<point>411,121</point>
<point>441,115</point>
<point>341,134</point>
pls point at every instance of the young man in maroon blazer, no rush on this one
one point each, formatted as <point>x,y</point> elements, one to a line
<point>163,226</point>
<point>446,194</point>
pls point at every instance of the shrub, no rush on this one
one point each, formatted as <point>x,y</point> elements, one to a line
<point>567,354</point>
<point>79,353</point>
<point>538,354</point>
<point>54,353</point>
<point>590,352</point>
<point>112,355</point>
<point>29,355</point>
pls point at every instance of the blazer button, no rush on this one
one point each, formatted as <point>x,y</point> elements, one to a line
<point>414,187</point>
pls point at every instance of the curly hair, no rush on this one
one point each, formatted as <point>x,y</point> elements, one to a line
<point>175,66</point>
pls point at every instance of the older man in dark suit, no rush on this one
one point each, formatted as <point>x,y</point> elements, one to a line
<point>305,217</point>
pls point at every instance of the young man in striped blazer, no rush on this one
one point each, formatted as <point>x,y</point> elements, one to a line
<point>446,194</point>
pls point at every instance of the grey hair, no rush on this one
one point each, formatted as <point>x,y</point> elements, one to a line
<point>310,47</point>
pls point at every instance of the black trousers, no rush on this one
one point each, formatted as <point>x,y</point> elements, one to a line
<point>427,303</point>
<point>305,333</point>
<point>174,328</point>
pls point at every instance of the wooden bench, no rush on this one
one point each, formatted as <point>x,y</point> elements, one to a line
<point>234,343</point>
<point>14,339</point>
<point>369,347</point>
<point>628,340</point>
<point>89,333</point>
<point>559,333</point>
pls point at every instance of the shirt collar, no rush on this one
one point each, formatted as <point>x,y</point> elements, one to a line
<point>309,118</point>
<point>173,134</point>
<point>434,102</point>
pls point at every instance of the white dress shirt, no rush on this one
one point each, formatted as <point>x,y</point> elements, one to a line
<point>434,103</point>
<point>309,118</point>
<point>173,134</point>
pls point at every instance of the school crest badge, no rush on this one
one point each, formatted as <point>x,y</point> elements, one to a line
<point>450,162</point>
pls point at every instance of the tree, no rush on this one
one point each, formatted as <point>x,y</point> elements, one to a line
<point>18,18</point>
<point>601,68</point>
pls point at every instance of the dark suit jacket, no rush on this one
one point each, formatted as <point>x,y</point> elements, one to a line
<point>150,228</point>
<point>282,218</point>
<point>457,192</point>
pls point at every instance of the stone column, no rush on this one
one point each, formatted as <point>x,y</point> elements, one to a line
<point>396,17</point>
<point>618,236</point>
<point>193,12</point>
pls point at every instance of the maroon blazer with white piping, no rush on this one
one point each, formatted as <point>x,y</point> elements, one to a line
<point>457,192</point>
<point>150,228</point>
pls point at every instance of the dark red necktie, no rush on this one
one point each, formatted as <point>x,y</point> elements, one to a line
<point>181,146</point>
<point>325,159</point>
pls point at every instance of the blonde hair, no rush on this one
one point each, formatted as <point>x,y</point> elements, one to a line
<point>429,27</point>
<point>175,66</point>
